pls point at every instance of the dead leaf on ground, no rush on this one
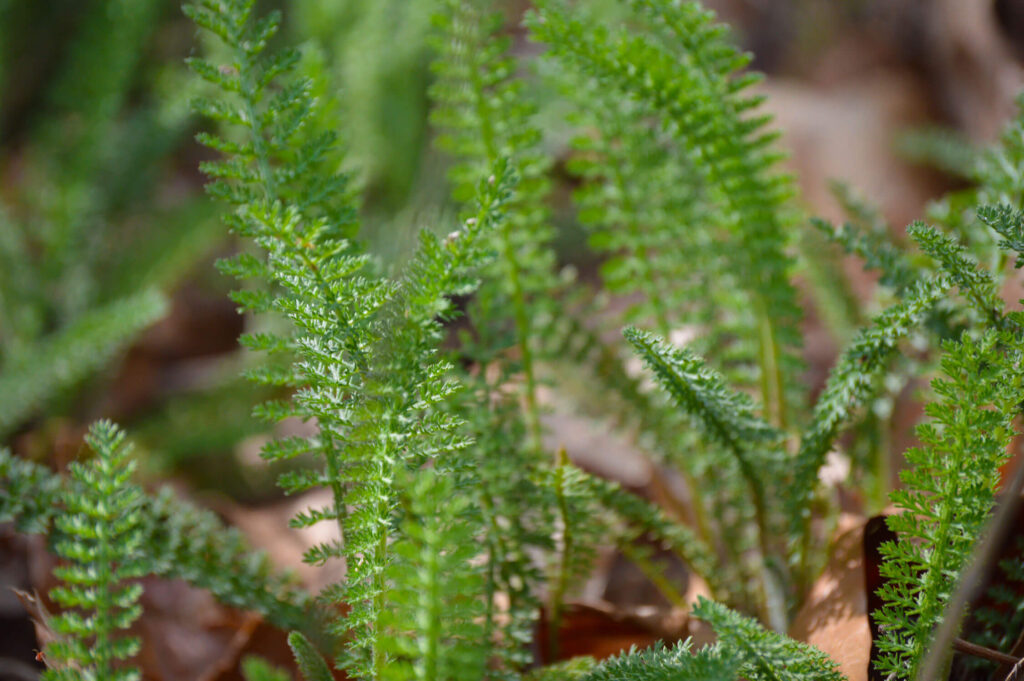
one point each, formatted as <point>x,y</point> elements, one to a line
<point>834,617</point>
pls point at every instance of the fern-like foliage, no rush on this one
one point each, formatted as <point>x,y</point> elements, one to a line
<point>29,379</point>
<point>179,540</point>
<point>103,544</point>
<point>720,503</point>
<point>30,494</point>
<point>482,112</point>
<point>483,115</point>
<point>976,284</point>
<point>321,287</point>
<point>311,663</point>
<point>1008,222</point>
<point>447,512</point>
<point>711,663</point>
<point>437,550</point>
<point>998,170</point>
<point>850,383</point>
<point>682,190</point>
<point>367,367</point>
<point>644,209</point>
<point>764,655</point>
<point>997,181</point>
<point>280,159</point>
<point>949,492</point>
<point>871,242</point>
<point>726,417</point>
<point>744,650</point>
<point>686,76</point>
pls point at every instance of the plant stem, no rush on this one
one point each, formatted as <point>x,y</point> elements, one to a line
<point>772,384</point>
<point>562,581</point>
<point>881,466</point>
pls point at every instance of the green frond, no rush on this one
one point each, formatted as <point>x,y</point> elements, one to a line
<point>367,366</point>
<point>643,208</point>
<point>28,380</point>
<point>726,416</point>
<point>181,542</point>
<point>949,492</point>
<point>436,601</point>
<point>998,181</point>
<point>763,655</point>
<point>688,81</point>
<point>308,658</point>
<point>483,114</point>
<point>876,249</point>
<point>102,543</point>
<point>850,383</point>
<point>1008,222</point>
<point>976,284</point>
<point>999,171</point>
<point>30,498</point>
<point>606,388</point>
<point>286,156</point>
<point>293,204</point>
<point>711,663</point>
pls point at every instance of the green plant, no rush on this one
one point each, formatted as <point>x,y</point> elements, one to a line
<point>103,547</point>
<point>456,515</point>
<point>949,492</point>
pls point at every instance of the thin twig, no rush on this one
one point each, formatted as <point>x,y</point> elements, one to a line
<point>974,650</point>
